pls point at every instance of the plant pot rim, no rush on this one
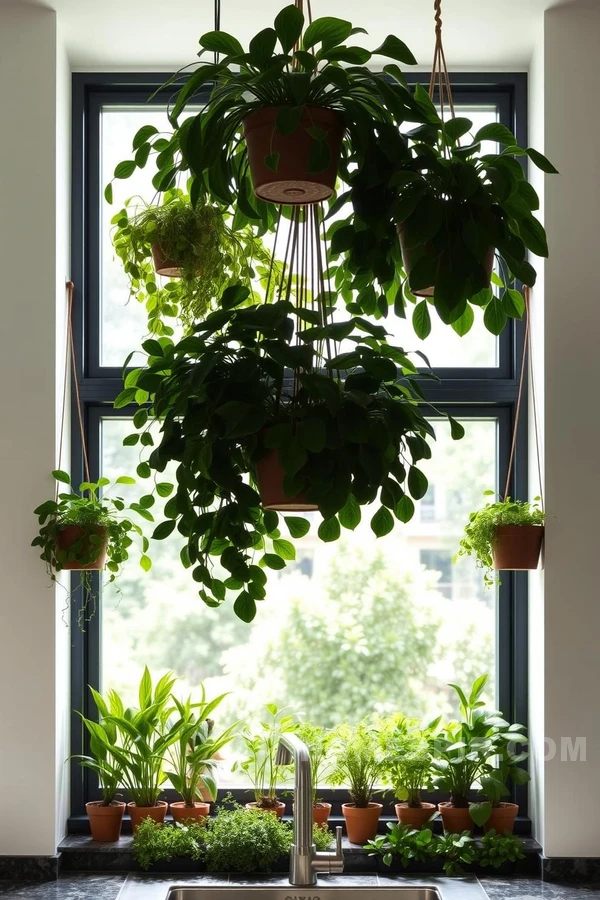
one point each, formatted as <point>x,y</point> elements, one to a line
<point>505,805</point>
<point>277,804</point>
<point>372,805</point>
<point>321,805</point>
<point>180,804</point>
<point>99,804</point>
<point>404,805</point>
<point>448,804</point>
<point>518,527</point>
<point>266,112</point>
<point>157,805</point>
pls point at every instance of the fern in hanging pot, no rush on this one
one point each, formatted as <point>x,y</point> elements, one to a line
<point>84,530</point>
<point>279,115</point>
<point>194,247</point>
<point>504,534</point>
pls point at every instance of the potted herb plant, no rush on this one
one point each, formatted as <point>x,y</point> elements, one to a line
<point>278,116</point>
<point>408,768</point>
<point>493,812</point>
<point>192,246</point>
<point>192,757</point>
<point>86,530</point>
<point>260,765</point>
<point>504,534</point>
<point>358,764</point>
<point>145,736</point>
<point>463,750</point>
<point>238,389</point>
<point>105,815</point>
<point>319,742</point>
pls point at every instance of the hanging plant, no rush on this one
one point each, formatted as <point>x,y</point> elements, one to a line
<point>279,115</point>
<point>192,246</point>
<point>453,210</point>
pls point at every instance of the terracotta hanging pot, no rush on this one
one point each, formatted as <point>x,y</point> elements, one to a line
<point>517,547</point>
<point>165,265</point>
<point>408,257</point>
<point>105,821</point>
<point>502,818</point>
<point>277,810</point>
<point>183,813</point>
<point>270,475</point>
<point>70,535</point>
<point>292,182</point>
<point>139,813</point>
<point>415,817</point>
<point>361,822</point>
<point>455,818</point>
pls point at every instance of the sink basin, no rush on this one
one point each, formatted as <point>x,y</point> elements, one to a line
<point>407,887</point>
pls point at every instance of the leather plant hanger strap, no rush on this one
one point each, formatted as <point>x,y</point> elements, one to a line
<point>439,70</point>
<point>527,355</point>
<point>70,355</point>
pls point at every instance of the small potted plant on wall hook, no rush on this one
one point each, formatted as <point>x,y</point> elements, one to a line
<point>86,531</point>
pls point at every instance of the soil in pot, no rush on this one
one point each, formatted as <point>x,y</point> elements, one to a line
<point>270,475</point>
<point>139,813</point>
<point>517,547</point>
<point>502,818</point>
<point>409,259</point>
<point>183,813</point>
<point>361,823</point>
<point>75,537</point>
<point>415,817</point>
<point>278,808</point>
<point>455,818</point>
<point>292,182</point>
<point>105,821</point>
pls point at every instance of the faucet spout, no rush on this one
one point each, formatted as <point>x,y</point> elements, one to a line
<point>305,861</point>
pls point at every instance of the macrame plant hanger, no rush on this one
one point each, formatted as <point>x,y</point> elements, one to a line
<point>71,365</point>
<point>440,80</point>
<point>527,357</point>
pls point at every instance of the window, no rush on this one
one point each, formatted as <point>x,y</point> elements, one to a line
<point>359,624</point>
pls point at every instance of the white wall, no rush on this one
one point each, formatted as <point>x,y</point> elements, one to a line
<point>565,631</point>
<point>33,262</point>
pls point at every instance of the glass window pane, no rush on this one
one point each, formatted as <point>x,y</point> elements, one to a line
<point>358,625</point>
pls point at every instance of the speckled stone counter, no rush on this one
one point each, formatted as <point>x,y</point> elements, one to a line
<point>107,887</point>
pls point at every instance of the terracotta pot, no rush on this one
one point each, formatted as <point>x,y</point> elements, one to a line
<point>415,817</point>
<point>455,818</point>
<point>408,259</point>
<point>517,547</point>
<point>139,813</point>
<point>105,821</point>
<point>72,534</point>
<point>292,182</point>
<point>165,265</point>
<point>182,813</point>
<point>361,823</point>
<point>277,810</point>
<point>270,475</point>
<point>321,812</point>
<point>502,818</point>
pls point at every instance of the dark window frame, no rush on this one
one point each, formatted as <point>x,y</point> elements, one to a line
<point>464,392</point>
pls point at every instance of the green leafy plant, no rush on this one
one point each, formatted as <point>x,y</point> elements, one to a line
<point>319,742</point>
<point>454,206</point>
<point>408,758</point>
<point>348,429</point>
<point>145,736</point>
<point>100,519</point>
<point>502,770</point>
<point>202,244</point>
<point>497,849</point>
<point>260,766</point>
<point>103,737</point>
<point>286,66</point>
<point>358,763</point>
<point>464,748</point>
<point>457,851</point>
<point>404,844</point>
<point>192,755</point>
<point>478,540</point>
<point>154,842</point>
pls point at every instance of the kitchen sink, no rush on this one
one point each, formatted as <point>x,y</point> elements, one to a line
<point>400,888</point>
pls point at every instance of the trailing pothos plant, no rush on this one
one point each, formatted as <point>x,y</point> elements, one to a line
<point>199,240</point>
<point>287,66</point>
<point>347,427</point>
<point>453,206</point>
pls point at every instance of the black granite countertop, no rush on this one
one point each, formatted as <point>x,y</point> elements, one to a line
<point>106,887</point>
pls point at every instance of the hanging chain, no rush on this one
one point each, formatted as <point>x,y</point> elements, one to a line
<point>70,355</point>
<point>527,355</point>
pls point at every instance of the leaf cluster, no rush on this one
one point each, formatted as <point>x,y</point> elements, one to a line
<point>260,764</point>
<point>480,531</point>
<point>319,741</point>
<point>358,761</point>
<point>408,758</point>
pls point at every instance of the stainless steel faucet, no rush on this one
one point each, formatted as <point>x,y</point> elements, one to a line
<point>305,859</point>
